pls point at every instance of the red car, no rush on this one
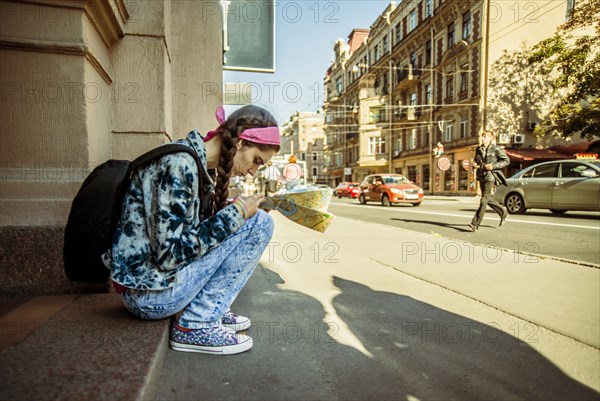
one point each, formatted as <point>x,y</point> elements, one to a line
<point>389,189</point>
<point>350,189</point>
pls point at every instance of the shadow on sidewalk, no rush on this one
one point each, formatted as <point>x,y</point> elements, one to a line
<point>414,351</point>
<point>429,353</point>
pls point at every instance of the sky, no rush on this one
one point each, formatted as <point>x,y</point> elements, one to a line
<point>306,31</point>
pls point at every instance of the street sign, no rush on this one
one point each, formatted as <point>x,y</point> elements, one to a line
<point>249,35</point>
<point>444,163</point>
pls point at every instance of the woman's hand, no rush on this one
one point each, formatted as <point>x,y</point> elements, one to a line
<point>251,204</point>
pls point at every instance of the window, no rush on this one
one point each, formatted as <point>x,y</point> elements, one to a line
<point>314,156</point>
<point>450,35</point>
<point>339,86</point>
<point>412,20</point>
<point>412,139</point>
<point>448,133</point>
<point>413,99</point>
<point>376,53</point>
<point>464,127</point>
<point>413,60</point>
<point>428,94</point>
<point>577,170</point>
<point>412,173</point>
<point>428,8</point>
<point>463,178</point>
<point>376,115</point>
<point>376,145</point>
<point>545,171</point>
<point>385,44</point>
<point>570,6</point>
<point>464,78</point>
<point>398,32</point>
<point>315,172</point>
<point>466,25</point>
<point>398,147</point>
<point>428,52</point>
<point>449,88</point>
<point>302,156</point>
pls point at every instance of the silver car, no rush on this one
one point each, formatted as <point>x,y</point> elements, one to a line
<point>557,185</point>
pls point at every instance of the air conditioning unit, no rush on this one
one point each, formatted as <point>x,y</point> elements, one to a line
<point>504,138</point>
<point>531,126</point>
<point>519,138</point>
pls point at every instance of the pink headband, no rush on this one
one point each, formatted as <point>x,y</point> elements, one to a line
<point>264,135</point>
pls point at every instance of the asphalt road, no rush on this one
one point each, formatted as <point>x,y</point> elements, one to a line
<point>574,236</point>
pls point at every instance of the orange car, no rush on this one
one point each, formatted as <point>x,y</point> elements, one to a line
<point>389,189</point>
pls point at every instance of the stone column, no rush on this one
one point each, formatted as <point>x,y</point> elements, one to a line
<point>83,81</point>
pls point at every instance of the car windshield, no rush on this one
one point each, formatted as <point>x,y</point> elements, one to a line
<point>395,179</point>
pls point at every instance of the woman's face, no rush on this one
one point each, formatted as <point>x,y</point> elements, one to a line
<point>248,159</point>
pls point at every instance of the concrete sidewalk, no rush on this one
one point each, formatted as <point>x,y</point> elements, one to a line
<point>367,311</point>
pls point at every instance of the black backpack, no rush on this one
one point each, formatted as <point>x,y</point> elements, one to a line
<point>96,210</point>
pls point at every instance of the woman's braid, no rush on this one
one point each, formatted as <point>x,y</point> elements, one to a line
<point>228,150</point>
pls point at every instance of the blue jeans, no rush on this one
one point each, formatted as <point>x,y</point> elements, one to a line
<point>206,288</point>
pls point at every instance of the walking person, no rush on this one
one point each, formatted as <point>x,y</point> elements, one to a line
<point>292,173</point>
<point>490,159</point>
<point>167,258</point>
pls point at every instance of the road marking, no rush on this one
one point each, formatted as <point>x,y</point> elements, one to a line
<point>510,219</point>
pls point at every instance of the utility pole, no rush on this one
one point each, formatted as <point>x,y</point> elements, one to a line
<point>390,103</point>
<point>431,125</point>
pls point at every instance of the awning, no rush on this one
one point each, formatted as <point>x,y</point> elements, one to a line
<point>338,172</point>
<point>582,147</point>
<point>534,154</point>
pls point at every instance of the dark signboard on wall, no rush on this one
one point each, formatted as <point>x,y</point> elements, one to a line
<point>249,35</point>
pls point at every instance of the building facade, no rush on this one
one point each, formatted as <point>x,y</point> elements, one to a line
<point>303,136</point>
<point>411,97</point>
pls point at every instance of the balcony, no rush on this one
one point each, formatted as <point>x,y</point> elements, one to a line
<point>366,86</point>
<point>406,77</point>
<point>407,113</point>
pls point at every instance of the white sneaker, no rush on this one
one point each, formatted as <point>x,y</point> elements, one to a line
<point>235,322</point>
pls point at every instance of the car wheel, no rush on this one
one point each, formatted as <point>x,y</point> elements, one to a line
<point>416,204</point>
<point>515,204</point>
<point>385,201</point>
<point>362,199</point>
<point>558,211</point>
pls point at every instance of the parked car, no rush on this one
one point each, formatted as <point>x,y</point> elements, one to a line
<point>344,188</point>
<point>560,186</point>
<point>389,189</point>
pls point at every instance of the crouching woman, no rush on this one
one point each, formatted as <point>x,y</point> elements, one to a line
<point>166,258</point>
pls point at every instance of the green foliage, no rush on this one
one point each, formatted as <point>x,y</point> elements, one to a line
<point>576,60</point>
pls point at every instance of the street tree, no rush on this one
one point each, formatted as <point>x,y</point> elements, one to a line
<point>573,53</point>
<point>519,91</point>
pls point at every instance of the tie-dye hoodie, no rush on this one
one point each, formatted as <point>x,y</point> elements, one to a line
<point>159,231</point>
